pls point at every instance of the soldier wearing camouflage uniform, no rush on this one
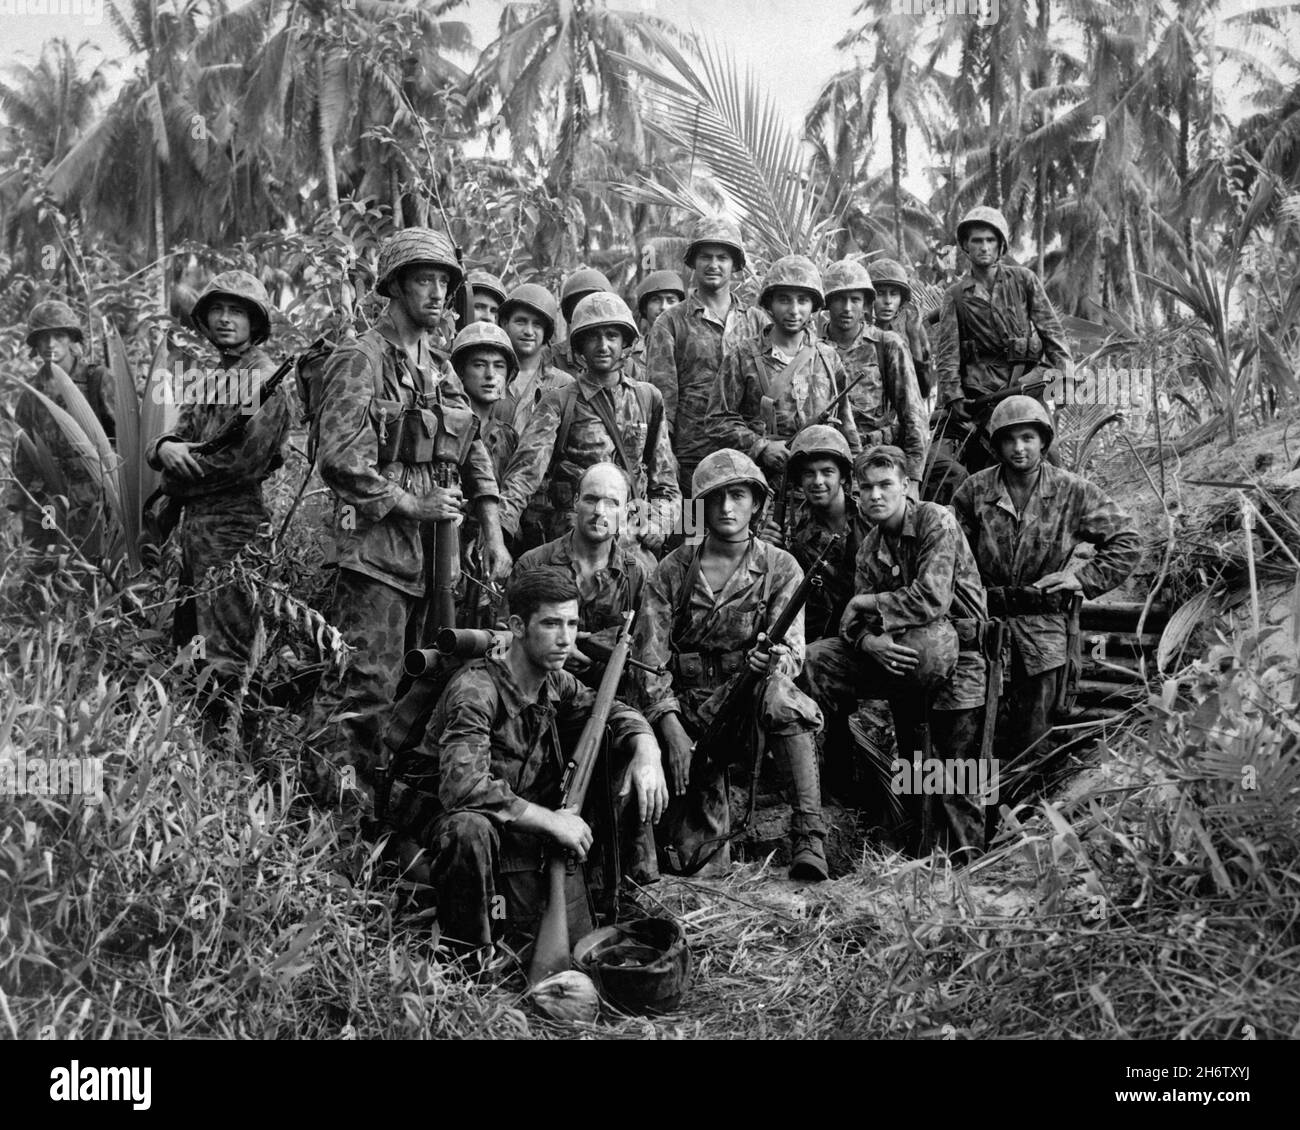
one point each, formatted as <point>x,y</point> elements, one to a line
<point>222,492</point>
<point>1024,519</point>
<point>394,427</point>
<point>487,295</point>
<point>912,634</point>
<point>54,336</point>
<point>659,291</point>
<point>996,326</point>
<point>894,310</point>
<point>481,789</point>
<point>603,417</point>
<point>688,342</point>
<point>886,400</point>
<point>778,382</point>
<point>821,466</point>
<point>609,575</point>
<point>702,612</point>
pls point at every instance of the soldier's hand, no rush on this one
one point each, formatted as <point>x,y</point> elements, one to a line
<point>1059,582</point>
<point>646,775</point>
<point>578,660</point>
<point>775,456</point>
<point>571,832</point>
<point>854,611</point>
<point>893,657</point>
<point>958,410</point>
<point>760,656</point>
<point>679,753</point>
<point>441,504</point>
<point>496,559</point>
<point>175,457</point>
<point>652,537</point>
<point>771,533</point>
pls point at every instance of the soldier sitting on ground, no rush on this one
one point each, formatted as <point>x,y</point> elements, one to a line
<point>911,634</point>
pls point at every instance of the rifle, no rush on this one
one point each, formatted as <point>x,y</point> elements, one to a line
<point>826,413</point>
<point>474,643</point>
<point>994,643</point>
<point>551,950</point>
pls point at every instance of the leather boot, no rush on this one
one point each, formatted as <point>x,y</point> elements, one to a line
<point>807,828</point>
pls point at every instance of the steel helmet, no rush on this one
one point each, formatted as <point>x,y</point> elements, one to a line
<point>848,274</point>
<point>722,468</point>
<point>984,216</point>
<point>719,230</point>
<point>578,285</point>
<point>416,245</point>
<point>482,280</point>
<point>52,315</point>
<point>891,271</point>
<point>537,299</point>
<point>1016,410</point>
<point>820,439</point>
<point>247,289</point>
<point>639,966</point>
<point>656,283</point>
<point>484,335</point>
<point>797,272</point>
<point>603,309</point>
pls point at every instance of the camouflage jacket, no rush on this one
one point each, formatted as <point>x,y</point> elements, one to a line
<point>923,574</point>
<point>491,749</point>
<point>635,360</point>
<point>684,356</point>
<point>910,326</point>
<point>981,332</point>
<point>887,404</point>
<point>1063,510</point>
<point>722,624</point>
<point>358,406</point>
<point>737,415</point>
<point>589,442</point>
<point>524,394</point>
<point>96,385</point>
<point>242,467</point>
<point>808,537</point>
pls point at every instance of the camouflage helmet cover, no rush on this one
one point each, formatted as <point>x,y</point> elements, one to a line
<point>535,298</point>
<point>603,309</point>
<point>51,315</point>
<point>244,288</point>
<point>658,282</point>
<point>820,439</point>
<point>848,274</point>
<point>484,335</point>
<point>642,965</point>
<point>484,280</point>
<point>797,272</point>
<point>719,230</point>
<point>1017,410</point>
<point>984,216</point>
<point>416,245</point>
<point>891,271</point>
<point>722,468</point>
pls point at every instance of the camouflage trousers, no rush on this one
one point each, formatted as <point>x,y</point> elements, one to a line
<point>1025,718</point>
<point>79,516</point>
<point>837,675</point>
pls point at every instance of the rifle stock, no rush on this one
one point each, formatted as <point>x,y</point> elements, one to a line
<point>552,949</point>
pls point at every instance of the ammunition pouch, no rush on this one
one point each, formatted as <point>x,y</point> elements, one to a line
<point>706,669</point>
<point>422,435</point>
<point>1026,350</point>
<point>1025,600</point>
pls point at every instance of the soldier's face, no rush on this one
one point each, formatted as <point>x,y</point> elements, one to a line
<point>485,306</point>
<point>550,634</point>
<point>790,309</point>
<point>847,309</point>
<point>229,325</point>
<point>982,245</point>
<point>657,303</point>
<point>54,347</point>
<point>484,374</point>
<point>820,481</point>
<point>728,512</point>
<point>888,300</point>
<point>1021,447</point>
<point>882,494</point>
<point>601,504</point>
<point>714,267</point>
<point>527,332</point>
<point>422,293</point>
<point>601,349</point>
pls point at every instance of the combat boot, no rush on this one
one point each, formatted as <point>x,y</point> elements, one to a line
<point>807,827</point>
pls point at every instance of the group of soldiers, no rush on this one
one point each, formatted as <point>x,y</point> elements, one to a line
<point>687,462</point>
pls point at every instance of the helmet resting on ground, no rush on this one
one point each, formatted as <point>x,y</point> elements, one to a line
<point>795,272</point>
<point>848,274</point>
<point>52,315</point>
<point>639,966</point>
<point>984,216</point>
<point>602,309</point>
<point>416,245</point>
<point>1017,410</point>
<point>719,230</point>
<point>536,298</point>
<point>484,335</point>
<point>723,468</point>
<point>243,287</point>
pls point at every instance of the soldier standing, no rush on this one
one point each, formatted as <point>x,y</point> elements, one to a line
<point>659,291</point>
<point>396,432</point>
<point>576,287</point>
<point>886,400</point>
<point>703,611</point>
<point>602,417</point>
<point>54,336</point>
<point>780,381</point>
<point>481,791</point>
<point>821,466</point>
<point>689,341</point>
<point>1024,519</point>
<point>222,492</point>
<point>911,634</point>
<point>487,294</point>
<point>995,326</point>
<point>893,309</point>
